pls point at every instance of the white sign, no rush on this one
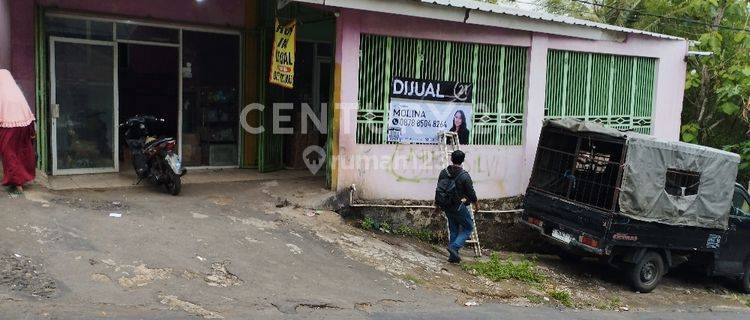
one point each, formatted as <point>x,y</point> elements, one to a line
<point>420,109</point>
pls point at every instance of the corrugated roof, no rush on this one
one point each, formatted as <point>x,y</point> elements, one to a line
<point>539,15</point>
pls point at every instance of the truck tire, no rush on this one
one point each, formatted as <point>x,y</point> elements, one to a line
<point>646,274</point>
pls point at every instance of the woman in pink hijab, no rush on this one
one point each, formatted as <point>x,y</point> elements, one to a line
<point>16,134</point>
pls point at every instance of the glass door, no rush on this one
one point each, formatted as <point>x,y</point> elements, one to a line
<point>210,99</point>
<point>83,97</point>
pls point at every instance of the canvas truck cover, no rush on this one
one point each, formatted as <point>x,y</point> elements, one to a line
<point>648,165</point>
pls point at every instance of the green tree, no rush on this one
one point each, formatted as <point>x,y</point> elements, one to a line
<point>716,107</point>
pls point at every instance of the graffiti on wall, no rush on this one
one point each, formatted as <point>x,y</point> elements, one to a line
<point>417,165</point>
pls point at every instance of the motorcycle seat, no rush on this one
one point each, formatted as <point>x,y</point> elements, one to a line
<point>157,142</point>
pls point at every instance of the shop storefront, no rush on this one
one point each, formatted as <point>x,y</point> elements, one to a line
<point>95,64</point>
<point>87,66</point>
<point>104,71</point>
<point>367,69</point>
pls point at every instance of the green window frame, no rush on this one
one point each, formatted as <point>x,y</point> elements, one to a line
<point>497,72</point>
<point>614,90</point>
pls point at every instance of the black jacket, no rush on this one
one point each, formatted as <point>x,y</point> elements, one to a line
<point>463,183</point>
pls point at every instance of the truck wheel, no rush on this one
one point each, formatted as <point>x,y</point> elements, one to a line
<point>745,284</point>
<point>646,274</point>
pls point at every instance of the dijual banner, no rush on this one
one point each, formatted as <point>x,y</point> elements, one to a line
<point>420,109</point>
<point>282,57</point>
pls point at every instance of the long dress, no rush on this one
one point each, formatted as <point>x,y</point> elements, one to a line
<point>16,133</point>
<point>18,155</point>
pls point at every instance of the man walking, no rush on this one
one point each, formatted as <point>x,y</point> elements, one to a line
<point>454,190</point>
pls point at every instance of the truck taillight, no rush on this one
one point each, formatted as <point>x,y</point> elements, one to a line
<point>536,222</point>
<point>591,242</point>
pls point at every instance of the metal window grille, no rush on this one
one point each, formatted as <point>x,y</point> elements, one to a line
<point>583,168</point>
<point>616,91</point>
<point>497,72</point>
<point>682,182</point>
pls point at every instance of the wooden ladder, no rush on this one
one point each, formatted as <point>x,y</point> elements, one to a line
<point>448,142</point>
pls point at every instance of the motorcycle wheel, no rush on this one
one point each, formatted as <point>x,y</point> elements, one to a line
<point>174,183</point>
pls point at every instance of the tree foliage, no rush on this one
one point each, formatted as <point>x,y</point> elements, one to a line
<point>716,108</point>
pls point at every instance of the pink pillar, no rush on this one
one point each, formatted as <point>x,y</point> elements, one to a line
<point>347,53</point>
<point>535,97</point>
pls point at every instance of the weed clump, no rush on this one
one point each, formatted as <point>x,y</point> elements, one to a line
<point>561,296</point>
<point>497,269</point>
<point>371,224</point>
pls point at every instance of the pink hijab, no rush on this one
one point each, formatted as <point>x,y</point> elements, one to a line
<point>14,110</point>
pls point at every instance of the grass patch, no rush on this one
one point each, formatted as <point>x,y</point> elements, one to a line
<point>371,224</point>
<point>497,269</point>
<point>561,296</point>
<point>612,303</point>
<point>741,299</point>
<point>414,279</point>
<point>535,299</point>
<point>368,224</point>
<point>421,234</point>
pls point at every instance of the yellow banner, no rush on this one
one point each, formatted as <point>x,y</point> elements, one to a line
<point>282,57</point>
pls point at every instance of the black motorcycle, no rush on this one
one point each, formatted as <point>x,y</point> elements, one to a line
<point>153,158</point>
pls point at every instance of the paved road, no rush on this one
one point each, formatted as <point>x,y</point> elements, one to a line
<point>502,312</point>
<point>216,251</point>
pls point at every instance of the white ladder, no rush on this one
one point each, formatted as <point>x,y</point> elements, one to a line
<point>448,142</point>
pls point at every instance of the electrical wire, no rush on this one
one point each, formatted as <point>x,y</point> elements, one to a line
<point>663,17</point>
<point>562,7</point>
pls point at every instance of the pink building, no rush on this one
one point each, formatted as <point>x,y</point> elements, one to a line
<point>560,67</point>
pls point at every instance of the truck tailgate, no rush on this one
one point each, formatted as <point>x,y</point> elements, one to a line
<point>560,214</point>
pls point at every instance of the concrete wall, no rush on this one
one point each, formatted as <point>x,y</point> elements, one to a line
<point>410,171</point>
<point>4,34</point>
<point>230,13</point>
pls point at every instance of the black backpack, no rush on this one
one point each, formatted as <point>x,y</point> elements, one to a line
<point>447,196</point>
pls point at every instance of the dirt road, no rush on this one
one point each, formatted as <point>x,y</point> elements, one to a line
<point>233,251</point>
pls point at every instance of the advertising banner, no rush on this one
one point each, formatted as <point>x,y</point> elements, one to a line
<point>282,57</point>
<point>419,109</point>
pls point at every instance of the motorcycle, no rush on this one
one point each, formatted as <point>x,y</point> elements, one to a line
<point>153,158</point>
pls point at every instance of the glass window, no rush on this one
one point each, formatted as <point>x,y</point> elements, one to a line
<point>84,86</point>
<point>210,107</point>
<point>79,28</point>
<point>127,31</point>
<point>740,203</point>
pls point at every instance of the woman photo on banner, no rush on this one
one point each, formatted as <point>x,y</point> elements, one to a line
<point>460,127</point>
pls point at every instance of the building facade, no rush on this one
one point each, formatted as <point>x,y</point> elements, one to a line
<point>85,65</point>
<point>621,78</point>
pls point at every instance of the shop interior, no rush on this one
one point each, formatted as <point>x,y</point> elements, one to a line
<point>148,84</point>
<point>313,78</point>
<point>104,71</point>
